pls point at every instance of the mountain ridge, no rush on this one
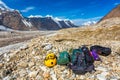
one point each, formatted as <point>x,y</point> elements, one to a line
<point>13,19</point>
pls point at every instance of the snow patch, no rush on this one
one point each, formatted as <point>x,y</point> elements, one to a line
<point>35,16</point>
<point>67,24</point>
<point>27,23</point>
<point>5,28</point>
<point>3,6</point>
<point>57,21</point>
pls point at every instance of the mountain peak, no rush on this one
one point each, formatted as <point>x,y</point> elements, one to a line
<point>115,12</point>
<point>4,7</point>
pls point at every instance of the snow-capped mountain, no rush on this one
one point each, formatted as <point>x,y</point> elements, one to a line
<point>13,19</point>
<point>89,23</point>
<point>4,7</point>
<point>49,22</point>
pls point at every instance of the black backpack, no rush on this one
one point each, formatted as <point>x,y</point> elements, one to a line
<point>88,57</point>
<point>104,51</point>
<point>81,61</point>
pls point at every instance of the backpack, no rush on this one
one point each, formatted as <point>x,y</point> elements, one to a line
<point>104,51</point>
<point>81,61</point>
<point>50,60</point>
<point>64,58</point>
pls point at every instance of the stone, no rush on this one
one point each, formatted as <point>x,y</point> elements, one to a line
<point>23,47</point>
<point>7,78</point>
<point>1,65</point>
<point>82,77</point>
<point>46,74</point>
<point>101,68</point>
<point>39,77</point>
<point>33,74</point>
<point>48,47</point>
<point>12,56</point>
<point>23,64</point>
<point>33,52</point>
<point>53,75</point>
<point>4,73</point>
<point>43,68</point>
<point>102,76</point>
<point>22,73</point>
<point>113,79</point>
<point>31,64</point>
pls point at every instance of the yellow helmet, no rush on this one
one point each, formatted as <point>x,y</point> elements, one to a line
<point>50,60</point>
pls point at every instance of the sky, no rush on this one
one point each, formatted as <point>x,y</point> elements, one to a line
<point>79,11</point>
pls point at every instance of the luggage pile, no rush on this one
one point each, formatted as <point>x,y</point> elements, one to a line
<point>80,60</point>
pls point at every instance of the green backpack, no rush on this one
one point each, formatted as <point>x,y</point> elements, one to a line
<point>64,58</point>
<point>74,54</point>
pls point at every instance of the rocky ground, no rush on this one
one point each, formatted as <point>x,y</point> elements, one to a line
<point>27,62</point>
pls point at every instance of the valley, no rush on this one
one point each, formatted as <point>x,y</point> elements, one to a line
<point>12,37</point>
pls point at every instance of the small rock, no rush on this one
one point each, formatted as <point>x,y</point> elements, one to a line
<point>13,56</point>
<point>53,76</point>
<point>48,47</point>
<point>73,76</point>
<point>7,78</point>
<point>82,77</point>
<point>33,74</point>
<point>101,69</point>
<point>22,73</point>
<point>1,65</point>
<point>23,47</point>
<point>6,72</point>
<point>102,76</point>
<point>31,64</point>
<point>23,64</point>
<point>39,77</point>
<point>46,75</point>
<point>43,68</point>
<point>113,79</point>
<point>33,52</point>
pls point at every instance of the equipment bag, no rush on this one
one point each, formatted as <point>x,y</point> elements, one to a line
<point>81,61</point>
<point>64,58</point>
<point>104,51</point>
<point>50,60</point>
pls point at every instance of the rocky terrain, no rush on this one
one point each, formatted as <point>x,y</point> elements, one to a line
<point>27,62</point>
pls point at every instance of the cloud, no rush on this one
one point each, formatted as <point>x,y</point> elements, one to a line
<point>84,21</point>
<point>116,4</point>
<point>89,23</point>
<point>4,6</point>
<point>28,9</point>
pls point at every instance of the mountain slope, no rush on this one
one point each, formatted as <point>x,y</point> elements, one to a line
<point>113,13</point>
